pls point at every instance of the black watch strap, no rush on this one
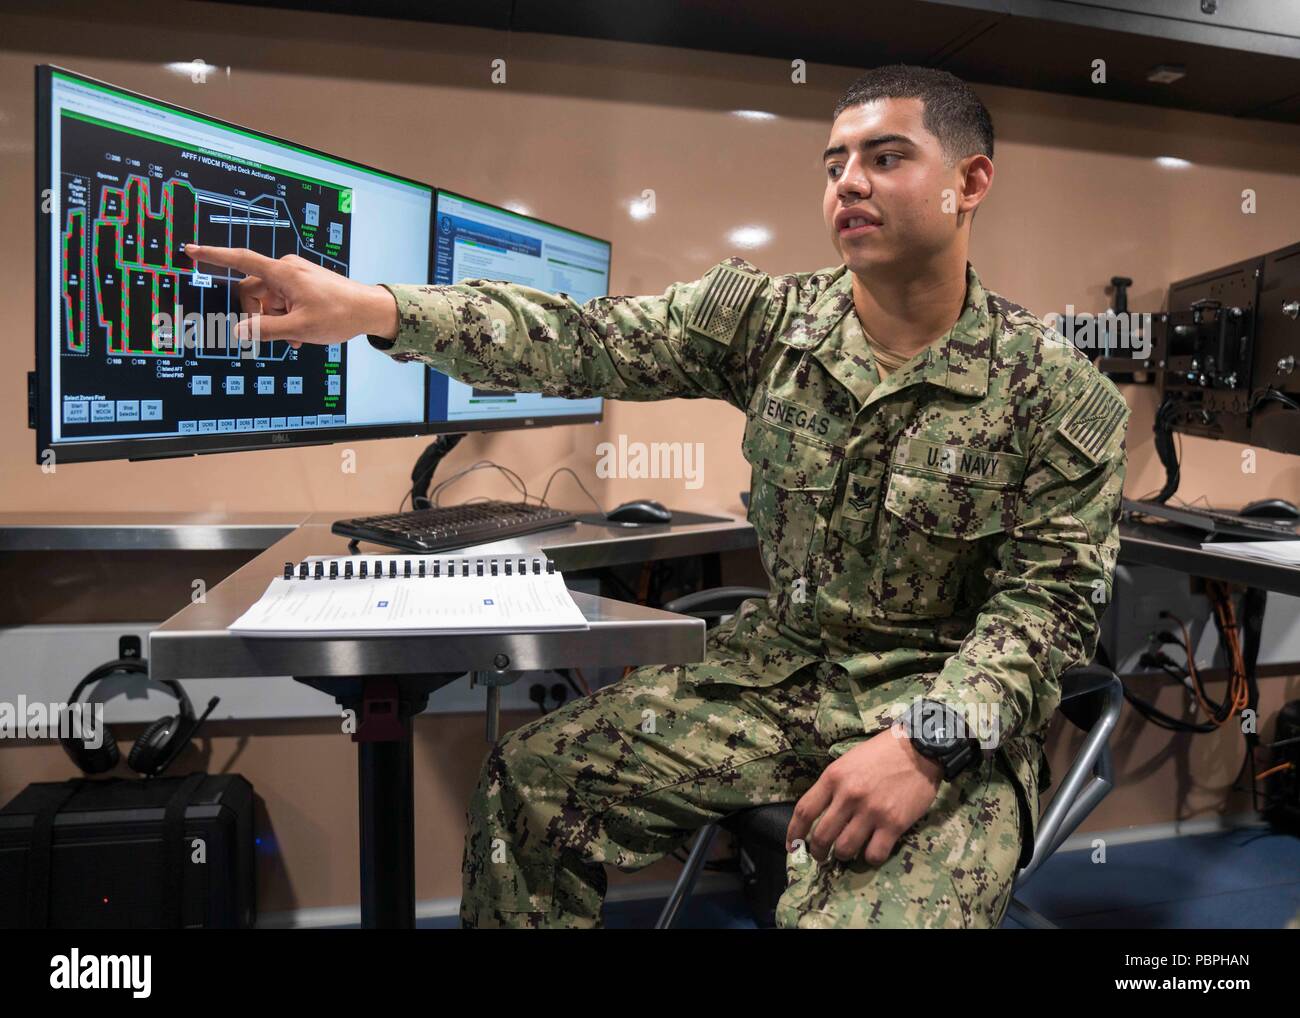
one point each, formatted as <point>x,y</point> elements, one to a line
<point>965,754</point>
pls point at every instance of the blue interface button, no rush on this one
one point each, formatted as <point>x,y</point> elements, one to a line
<point>261,424</point>
<point>293,422</point>
<point>76,411</point>
<point>201,385</point>
<point>151,410</point>
<point>244,424</point>
<point>207,427</point>
<point>101,410</point>
<point>277,422</point>
<point>128,409</point>
<point>226,424</point>
<point>187,427</point>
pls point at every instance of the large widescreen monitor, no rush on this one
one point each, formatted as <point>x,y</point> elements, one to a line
<point>475,240</point>
<point>133,353</point>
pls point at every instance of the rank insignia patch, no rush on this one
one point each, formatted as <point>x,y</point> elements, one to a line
<point>859,497</point>
<point>721,306</point>
<point>1094,419</point>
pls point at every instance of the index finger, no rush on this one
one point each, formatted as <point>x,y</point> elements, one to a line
<point>810,806</point>
<point>250,263</point>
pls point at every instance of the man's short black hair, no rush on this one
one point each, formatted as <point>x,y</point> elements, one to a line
<point>953,112</point>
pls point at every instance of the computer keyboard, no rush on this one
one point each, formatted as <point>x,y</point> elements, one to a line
<point>1218,521</point>
<point>452,526</point>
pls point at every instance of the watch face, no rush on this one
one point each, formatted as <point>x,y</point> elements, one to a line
<point>937,726</point>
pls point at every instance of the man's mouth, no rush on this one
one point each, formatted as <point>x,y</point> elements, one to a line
<point>854,224</point>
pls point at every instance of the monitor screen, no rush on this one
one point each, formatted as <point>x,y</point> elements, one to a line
<point>474,240</point>
<point>134,353</point>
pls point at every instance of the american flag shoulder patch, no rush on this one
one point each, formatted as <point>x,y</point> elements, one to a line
<point>1091,424</point>
<point>721,303</point>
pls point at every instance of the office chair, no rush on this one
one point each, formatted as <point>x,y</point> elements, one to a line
<point>1091,698</point>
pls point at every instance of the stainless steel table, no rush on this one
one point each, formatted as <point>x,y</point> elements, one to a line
<point>386,679</point>
<point>1157,544</point>
<point>144,531</point>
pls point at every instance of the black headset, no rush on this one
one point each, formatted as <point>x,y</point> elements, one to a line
<point>158,745</point>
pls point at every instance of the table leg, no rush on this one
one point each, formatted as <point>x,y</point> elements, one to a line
<point>385,782</point>
<point>383,706</point>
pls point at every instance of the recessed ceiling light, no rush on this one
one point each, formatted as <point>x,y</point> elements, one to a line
<point>750,236</point>
<point>195,70</point>
<point>641,208</point>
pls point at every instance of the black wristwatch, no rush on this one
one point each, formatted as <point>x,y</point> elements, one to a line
<point>939,733</point>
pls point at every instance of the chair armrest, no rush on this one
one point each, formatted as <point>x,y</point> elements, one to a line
<point>1086,693</point>
<point>713,601</point>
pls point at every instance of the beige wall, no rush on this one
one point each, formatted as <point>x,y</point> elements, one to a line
<point>579,131</point>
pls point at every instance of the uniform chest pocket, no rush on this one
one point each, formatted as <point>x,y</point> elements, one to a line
<point>931,531</point>
<point>792,482</point>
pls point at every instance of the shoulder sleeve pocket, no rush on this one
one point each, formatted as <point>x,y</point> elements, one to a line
<point>723,299</point>
<point>1091,431</point>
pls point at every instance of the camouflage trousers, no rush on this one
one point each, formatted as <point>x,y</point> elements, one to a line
<point>626,775</point>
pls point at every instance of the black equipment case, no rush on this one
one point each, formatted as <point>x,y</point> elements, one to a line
<point>129,854</point>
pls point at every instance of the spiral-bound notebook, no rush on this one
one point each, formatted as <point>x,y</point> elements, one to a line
<point>363,595</point>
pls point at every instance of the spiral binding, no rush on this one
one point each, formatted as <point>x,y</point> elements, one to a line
<point>425,567</point>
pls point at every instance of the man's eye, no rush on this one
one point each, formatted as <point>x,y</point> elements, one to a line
<point>888,155</point>
<point>830,170</point>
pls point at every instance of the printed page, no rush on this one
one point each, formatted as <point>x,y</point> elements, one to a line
<point>448,602</point>
<point>1284,552</point>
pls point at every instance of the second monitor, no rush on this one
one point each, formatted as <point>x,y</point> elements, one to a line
<point>474,240</point>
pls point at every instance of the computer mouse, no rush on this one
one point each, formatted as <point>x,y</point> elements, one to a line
<point>1275,508</point>
<point>641,510</point>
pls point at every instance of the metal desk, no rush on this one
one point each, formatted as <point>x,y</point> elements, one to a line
<point>386,680</point>
<point>145,531</point>
<point>1179,548</point>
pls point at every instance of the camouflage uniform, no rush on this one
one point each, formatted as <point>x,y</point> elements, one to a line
<point>947,533</point>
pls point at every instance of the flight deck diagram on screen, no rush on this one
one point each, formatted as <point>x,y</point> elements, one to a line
<point>132,300</point>
<point>144,344</point>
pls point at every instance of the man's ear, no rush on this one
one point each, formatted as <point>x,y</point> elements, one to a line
<point>989,184</point>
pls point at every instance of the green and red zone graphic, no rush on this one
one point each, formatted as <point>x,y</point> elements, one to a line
<point>130,201</point>
<point>126,235</point>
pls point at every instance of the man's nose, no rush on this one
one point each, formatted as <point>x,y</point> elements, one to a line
<point>853,183</point>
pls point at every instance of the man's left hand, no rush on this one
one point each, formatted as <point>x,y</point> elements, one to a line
<point>868,798</point>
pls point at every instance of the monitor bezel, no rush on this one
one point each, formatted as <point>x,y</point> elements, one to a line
<point>515,423</point>
<point>176,445</point>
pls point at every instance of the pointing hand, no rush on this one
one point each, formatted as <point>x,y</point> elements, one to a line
<point>298,301</point>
